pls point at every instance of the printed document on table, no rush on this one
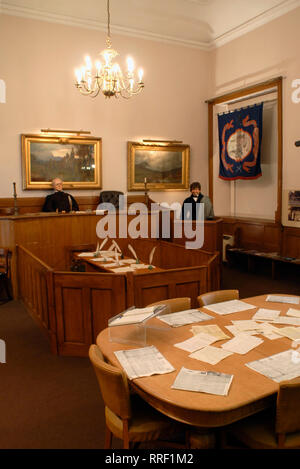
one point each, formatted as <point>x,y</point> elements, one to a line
<point>210,354</point>
<point>295,300</point>
<point>263,314</point>
<point>210,382</point>
<point>182,318</point>
<point>228,307</point>
<point>145,361</point>
<point>196,342</point>
<point>293,312</point>
<point>211,329</point>
<point>279,367</point>
<point>242,343</point>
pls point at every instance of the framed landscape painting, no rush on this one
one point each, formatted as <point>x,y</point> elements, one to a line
<point>75,160</point>
<point>162,167</point>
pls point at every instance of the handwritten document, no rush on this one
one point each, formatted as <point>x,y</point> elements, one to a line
<point>196,342</point>
<point>181,318</point>
<point>145,361</point>
<point>278,367</point>
<point>242,343</point>
<point>209,382</point>
<point>284,299</point>
<point>210,354</point>
<point>211,329</point>
<point>293,312</point>
<point>292,333</point>
<point>287,320</point>
<point>228,307</point>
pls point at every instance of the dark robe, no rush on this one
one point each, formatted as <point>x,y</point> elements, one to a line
<point>60,201</point>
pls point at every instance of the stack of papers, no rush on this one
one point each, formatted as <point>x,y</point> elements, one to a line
<point>242,343</point>
<point>209,382</point>
<point>145,361</point>
<point>283,299</point>
<point>228,307</point>
<point>279,367</point>
<point>182,318</point>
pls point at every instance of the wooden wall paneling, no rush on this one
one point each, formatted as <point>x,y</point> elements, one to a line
<point>291,242</point>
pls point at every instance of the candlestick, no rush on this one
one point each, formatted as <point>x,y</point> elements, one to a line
<point>16,212</point>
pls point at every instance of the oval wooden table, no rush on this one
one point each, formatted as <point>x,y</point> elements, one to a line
<point>249,393</point>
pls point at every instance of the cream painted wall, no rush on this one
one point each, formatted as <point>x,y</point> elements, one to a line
<point>37,63</point>
<point>267,52</point>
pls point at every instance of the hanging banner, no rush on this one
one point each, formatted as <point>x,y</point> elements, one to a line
<point>240,133</point>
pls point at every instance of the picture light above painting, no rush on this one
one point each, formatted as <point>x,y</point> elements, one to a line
<point>162,166</point>
<point>75,159</point>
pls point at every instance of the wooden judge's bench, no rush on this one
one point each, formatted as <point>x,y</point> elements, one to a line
<point>50,236</point>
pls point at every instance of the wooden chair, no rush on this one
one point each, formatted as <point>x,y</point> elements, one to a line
<point>5,270</point>
<point>127,416</point>
<point>217,296</point>
<point>174,304</point>
<point>273,429</point>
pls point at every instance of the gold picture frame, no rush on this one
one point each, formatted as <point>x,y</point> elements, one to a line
<point>76,160</point>
<point>162,166</point>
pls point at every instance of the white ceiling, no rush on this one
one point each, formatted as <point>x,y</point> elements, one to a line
<point>204,24</point>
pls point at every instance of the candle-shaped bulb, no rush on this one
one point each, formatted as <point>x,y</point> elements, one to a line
<point>145,180</point>
<point>130,64</point>
<point>78,75</point>
<point>141,73</point>
<point>98,67</point>
<point>88,62</point>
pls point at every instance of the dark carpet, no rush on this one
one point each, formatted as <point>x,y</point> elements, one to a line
<point>48,401</point>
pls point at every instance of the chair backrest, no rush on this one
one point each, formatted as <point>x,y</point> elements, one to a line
<point>111,197</point>
<point>217,296</point>
<point>288,408</point>
<point>174,304</point>
<point>113,384</point>
<point>5,256</point>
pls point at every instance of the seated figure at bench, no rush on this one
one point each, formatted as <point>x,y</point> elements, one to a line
<point>60,201</point>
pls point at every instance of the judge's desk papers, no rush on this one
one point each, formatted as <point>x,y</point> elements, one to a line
<point>145,361</point>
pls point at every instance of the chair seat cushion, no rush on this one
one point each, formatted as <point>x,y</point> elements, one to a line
<point>258,431</point>
<point>146,424</point>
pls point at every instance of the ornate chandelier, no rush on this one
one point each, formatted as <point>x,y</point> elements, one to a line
<point>108,76</point>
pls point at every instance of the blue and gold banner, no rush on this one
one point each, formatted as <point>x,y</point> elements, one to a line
<point>240,133</point>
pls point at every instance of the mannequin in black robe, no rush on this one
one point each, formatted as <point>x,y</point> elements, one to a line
<point>60,201</point>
